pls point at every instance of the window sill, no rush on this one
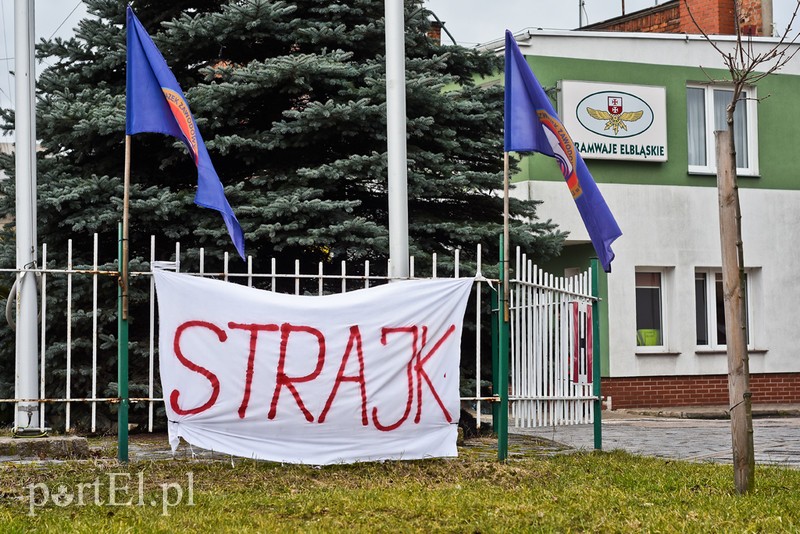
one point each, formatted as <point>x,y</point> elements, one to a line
<point>701,352</point>
<point>663,352</point>
<point>713,172</point>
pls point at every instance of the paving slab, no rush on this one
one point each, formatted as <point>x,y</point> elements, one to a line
<point>775,440</point>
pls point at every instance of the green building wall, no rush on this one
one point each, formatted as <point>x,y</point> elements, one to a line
<point>778,125</point>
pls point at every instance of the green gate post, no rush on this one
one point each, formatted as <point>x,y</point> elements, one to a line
<point>122,369</point>
<point>596,352</point>
<point>500,378</point>
<point>495,359</point>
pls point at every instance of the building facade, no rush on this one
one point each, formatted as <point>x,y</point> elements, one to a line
<point>6,147</point>
<point>716,17</point>
<point>663,335</point>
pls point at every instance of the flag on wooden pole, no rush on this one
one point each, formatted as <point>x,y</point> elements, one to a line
<point>155,103</point>
<point>532,125</point>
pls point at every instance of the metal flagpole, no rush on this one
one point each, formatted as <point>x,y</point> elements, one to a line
<point>500,381</point>
<point>503,328</point>
<point>397,165</point>
<point>596,356</point>
<point>122,315</point>
<point>27,384</point>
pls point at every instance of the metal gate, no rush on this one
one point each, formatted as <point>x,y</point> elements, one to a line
<point>552,347</point>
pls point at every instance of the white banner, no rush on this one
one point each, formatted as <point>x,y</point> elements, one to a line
<point>361,376</point>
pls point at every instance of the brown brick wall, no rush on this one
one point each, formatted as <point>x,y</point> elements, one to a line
<point>751,19</point>
<point>435,31</point>
<point>714,16</point>
<point>664,21</point>
<point>698,390</point>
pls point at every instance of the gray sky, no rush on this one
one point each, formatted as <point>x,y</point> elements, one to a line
<point>477,21</point>
<point>470,21</point>
<point>53,18</point>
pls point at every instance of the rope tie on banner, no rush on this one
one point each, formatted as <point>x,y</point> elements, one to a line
<point>480,278</point>
<point>11,301</point>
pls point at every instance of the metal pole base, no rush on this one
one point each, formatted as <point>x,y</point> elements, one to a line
<point>30,433</point>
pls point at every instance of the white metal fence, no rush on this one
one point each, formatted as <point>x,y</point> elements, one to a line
<point>551,333</point>
<point>85,344</point>
<point>551,347</point>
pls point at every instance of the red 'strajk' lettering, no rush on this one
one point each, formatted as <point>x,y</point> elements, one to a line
<point>254,329</point>
<point>422,375</point>
<point>413,330</point>
<point>211,377</point>
<point>289,381</point>
<point>360,379</point>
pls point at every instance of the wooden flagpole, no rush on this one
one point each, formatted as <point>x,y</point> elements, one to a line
<point>505,236</point>
<point>125,201</point>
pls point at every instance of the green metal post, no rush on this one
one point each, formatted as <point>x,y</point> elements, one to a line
<point>122,368</point>
<point>596,353</point>
<point>495,358</point>
<point>502,363</point>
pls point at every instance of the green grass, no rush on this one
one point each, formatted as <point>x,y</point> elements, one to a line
<point>581,492</point>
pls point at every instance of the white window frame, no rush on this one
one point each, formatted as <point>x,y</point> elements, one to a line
<point>711,309</point>
<point>750,102</point>
<point>662,347</point>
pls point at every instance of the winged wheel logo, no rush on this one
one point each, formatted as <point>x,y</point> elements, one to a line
<point>615,117</point>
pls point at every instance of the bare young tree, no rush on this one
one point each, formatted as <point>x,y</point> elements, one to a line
<point>746,68</point>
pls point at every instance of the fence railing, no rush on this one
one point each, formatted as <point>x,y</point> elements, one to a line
<point>77,346</point>
<point>551,347</point>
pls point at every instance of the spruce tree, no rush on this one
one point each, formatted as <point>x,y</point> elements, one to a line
<point>290,98</point>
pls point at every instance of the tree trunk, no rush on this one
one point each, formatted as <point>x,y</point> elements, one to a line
<point>735,313</point>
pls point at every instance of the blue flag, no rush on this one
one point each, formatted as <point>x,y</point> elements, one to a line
<point>532,125</point>
<point>155,103</point>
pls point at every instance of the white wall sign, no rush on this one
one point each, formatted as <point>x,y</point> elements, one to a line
<point>615,121</point>
<point>367,375</point>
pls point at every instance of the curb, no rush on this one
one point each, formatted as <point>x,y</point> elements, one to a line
<point>709,413</point>
<point>67,447</point>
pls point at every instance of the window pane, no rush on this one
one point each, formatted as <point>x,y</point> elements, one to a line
<point>747,310</point>
<point>648,309</point>
<point>720,304</point>
<point>720,307</point>
<point>696,123</point>
<point>740,133</point>
<point>701,309</point>
<point>648,280</point>
<point>722,98</point>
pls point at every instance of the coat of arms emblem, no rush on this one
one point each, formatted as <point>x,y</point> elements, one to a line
<point>615,116</point>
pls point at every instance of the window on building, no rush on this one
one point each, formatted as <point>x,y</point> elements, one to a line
<point>649,309</point>
<point>705,113</point>
<point>710,309</point>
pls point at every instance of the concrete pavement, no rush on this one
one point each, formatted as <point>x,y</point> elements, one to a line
<point>776,439</point>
